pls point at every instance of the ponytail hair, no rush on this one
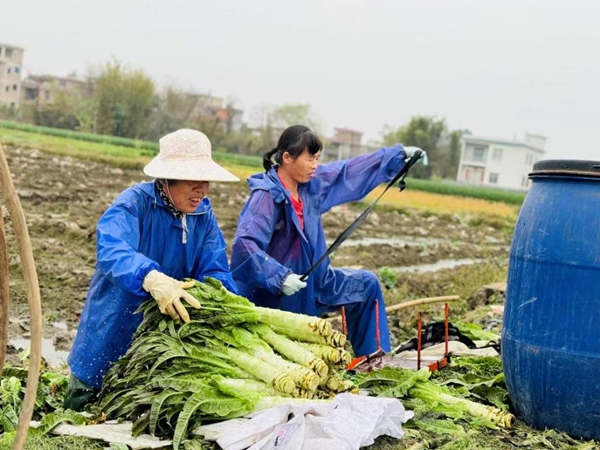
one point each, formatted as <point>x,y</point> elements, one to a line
<point>267,162</point>
<point>294,140</point>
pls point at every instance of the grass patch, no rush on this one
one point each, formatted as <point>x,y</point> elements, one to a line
<point>484,193</point>
<point>78,135</point>
<point>122,152</point>
<point>92,151</point>
<point>54,443</point>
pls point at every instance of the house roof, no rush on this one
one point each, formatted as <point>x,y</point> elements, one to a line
<point>347,130</point>
<point>41,78</point>
<point>487,140</point>
<point>14,47</point>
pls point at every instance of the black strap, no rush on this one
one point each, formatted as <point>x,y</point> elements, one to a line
<point>360,219</point>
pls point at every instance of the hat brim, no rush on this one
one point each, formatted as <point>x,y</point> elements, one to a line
<point>198,170</point>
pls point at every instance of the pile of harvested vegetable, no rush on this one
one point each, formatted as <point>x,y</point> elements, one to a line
<point>48,403</point>
<point>479,378</point>
<point>233,358</point>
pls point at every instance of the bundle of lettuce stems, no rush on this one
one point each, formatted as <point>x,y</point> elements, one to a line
<point>234,358</point>
<point>231,359</point>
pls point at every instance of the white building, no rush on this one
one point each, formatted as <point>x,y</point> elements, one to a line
<point>499,163</point>
<point>11,62</point>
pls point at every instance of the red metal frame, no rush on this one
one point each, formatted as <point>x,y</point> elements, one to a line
<point>432,366</point>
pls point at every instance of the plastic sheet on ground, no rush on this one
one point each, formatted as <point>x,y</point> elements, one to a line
<point>348,422</point>
<point>111,432</point>
<point>455,347</point>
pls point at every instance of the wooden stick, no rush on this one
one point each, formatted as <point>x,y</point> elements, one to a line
<point>411,303</point>
<point>419,340</point>
<point>32,288</point>
<point>422,301</point>
<point>4,294</point>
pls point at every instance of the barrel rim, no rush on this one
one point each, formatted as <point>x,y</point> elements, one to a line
<point>568,167</point>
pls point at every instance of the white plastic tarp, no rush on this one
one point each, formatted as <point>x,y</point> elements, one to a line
<point>347,423</point>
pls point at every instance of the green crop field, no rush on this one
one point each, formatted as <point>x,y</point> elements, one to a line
<point>123,151</point>
<point>134,153</point>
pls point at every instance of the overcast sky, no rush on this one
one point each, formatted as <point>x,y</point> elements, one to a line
<point>497,68</point>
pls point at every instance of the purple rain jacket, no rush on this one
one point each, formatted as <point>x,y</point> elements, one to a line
<point>269,243</point>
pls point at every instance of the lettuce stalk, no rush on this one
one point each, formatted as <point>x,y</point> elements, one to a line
<point>291,350</point>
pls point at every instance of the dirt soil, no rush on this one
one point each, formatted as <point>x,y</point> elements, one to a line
<point>63,199</point>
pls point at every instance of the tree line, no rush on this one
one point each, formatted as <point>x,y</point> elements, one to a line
<point>125,102</point>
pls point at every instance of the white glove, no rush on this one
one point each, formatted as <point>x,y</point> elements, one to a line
<point>167,292</point>
<point>410,152</point>
<point>292,284</point>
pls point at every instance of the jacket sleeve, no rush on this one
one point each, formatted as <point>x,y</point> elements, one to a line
<point>213,259</point>
<point>118,238</point>
<point>351,180</point>
<point>250,262</point>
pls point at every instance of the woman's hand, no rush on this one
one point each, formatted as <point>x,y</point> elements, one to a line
<point>167,292</point>
<point>292,284</point>
<point>410,152</point>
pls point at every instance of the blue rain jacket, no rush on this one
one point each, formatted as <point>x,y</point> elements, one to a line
<point>135,235</point>
<point>269,242</point>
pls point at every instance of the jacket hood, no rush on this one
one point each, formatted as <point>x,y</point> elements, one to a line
<point>267,182</point>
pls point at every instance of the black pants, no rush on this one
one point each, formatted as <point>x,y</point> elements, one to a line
<point>79,394</point>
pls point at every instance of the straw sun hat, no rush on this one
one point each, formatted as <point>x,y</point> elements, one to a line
<point>186,155</point>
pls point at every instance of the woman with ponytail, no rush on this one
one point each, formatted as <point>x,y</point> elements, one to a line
<point>280,235</point>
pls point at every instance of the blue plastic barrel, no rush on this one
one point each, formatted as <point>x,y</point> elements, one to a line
<point>551,331</point>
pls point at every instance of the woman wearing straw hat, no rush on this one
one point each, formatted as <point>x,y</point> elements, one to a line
<point>154,234</point>
<point>280,235</point>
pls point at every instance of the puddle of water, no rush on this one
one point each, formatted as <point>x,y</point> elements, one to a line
<point>53,356</point>
<point>438,265</point>
<point>393,241</point>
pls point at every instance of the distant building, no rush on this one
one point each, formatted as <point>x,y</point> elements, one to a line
<point>231,118</point>
<point>11,63</point>
<point>345,144</point>
<point>42,89</point>
<point>208,107</point>
<point>498,162</point>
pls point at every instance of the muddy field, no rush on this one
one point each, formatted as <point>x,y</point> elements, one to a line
<point>63,198</point>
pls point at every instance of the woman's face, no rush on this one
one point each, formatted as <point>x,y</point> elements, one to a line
<point>303,168</point>
<point>187,195</point>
